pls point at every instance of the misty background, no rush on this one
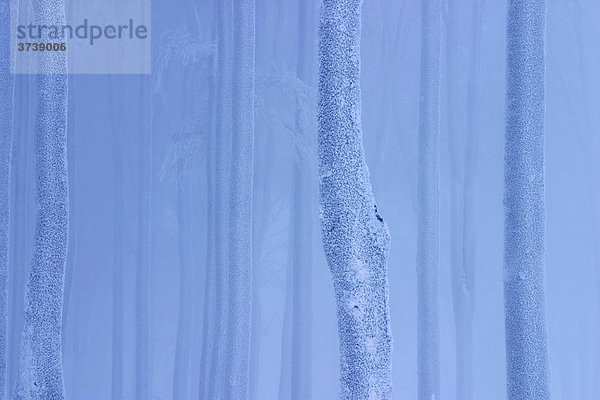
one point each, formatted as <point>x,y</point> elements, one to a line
<point>138,142</point>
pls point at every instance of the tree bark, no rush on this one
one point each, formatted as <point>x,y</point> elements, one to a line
<point>524,203</point>
<point>355,237</point>
<point>40,367</point>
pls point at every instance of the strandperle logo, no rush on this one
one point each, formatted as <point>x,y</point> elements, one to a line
<point>86,31</point>
<point>86,37</point>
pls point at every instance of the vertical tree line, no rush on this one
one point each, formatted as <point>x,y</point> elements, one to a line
<point>143,281</point>
<point>233,145</point>
<point>428,207</point>
<point>117,367</point>
<point>462,82</point>
<point>7,83</point>
<point>302,211</point>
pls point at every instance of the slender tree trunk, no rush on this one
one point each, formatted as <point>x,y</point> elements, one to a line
<point>6,138</point>
<point>462,136</point>
<point>524,203</point>
<point>355,237</point>
<point>302,209</point>
<point>218,377</point>
<point>240,253</point>
<point>261,207</point>
<point>20,225</point>
<point>143,373</point>
<point>285,370</point>
<point>465,369</point>
<point>428,331</point>
<point>209,314</point>
<point>40,368</point>
<point>260,224</point>
<point>186,200</point>
<point>117,369</point>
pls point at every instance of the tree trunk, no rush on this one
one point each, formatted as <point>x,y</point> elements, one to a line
<point>40,367</point>
<point>355,237</point>
<point>462,137</point>
<point>117,369</point>
<point>143,371</point>
<point>302,212</point>
<point>428,331</point>
<point>19,248</point>
<point>6,138</point>
<point>242,154</point>
<point>209,312</point>
<point>524,208</point>
<point>217,374</point>
<point>186,199</point>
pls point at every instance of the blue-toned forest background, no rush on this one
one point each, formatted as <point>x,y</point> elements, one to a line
<point>138,169</point>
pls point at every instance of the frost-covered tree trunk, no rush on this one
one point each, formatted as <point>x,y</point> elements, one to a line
<point>40,367</point>
<point>524,204</point>
<point>462,138</point>
<point>302,211</point>
<point>240,210</point>
<point>355,237</point>
<point>6,125</point>
<point>428,331</point>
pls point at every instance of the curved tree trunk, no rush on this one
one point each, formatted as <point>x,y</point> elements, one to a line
<point>355,237</point>
<point>428,330</point>
<point>524,203</point>
<point>40,368</point>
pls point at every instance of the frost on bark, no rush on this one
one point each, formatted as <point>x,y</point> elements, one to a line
<point>355,237</point>
<point>40,367</point>
<point>524,208</point>
<point>428,331</point>
<point>6,121</point>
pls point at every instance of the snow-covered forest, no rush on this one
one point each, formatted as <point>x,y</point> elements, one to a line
<point>307,199</point>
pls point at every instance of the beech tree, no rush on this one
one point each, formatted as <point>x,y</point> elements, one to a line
<point>355,236</point>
